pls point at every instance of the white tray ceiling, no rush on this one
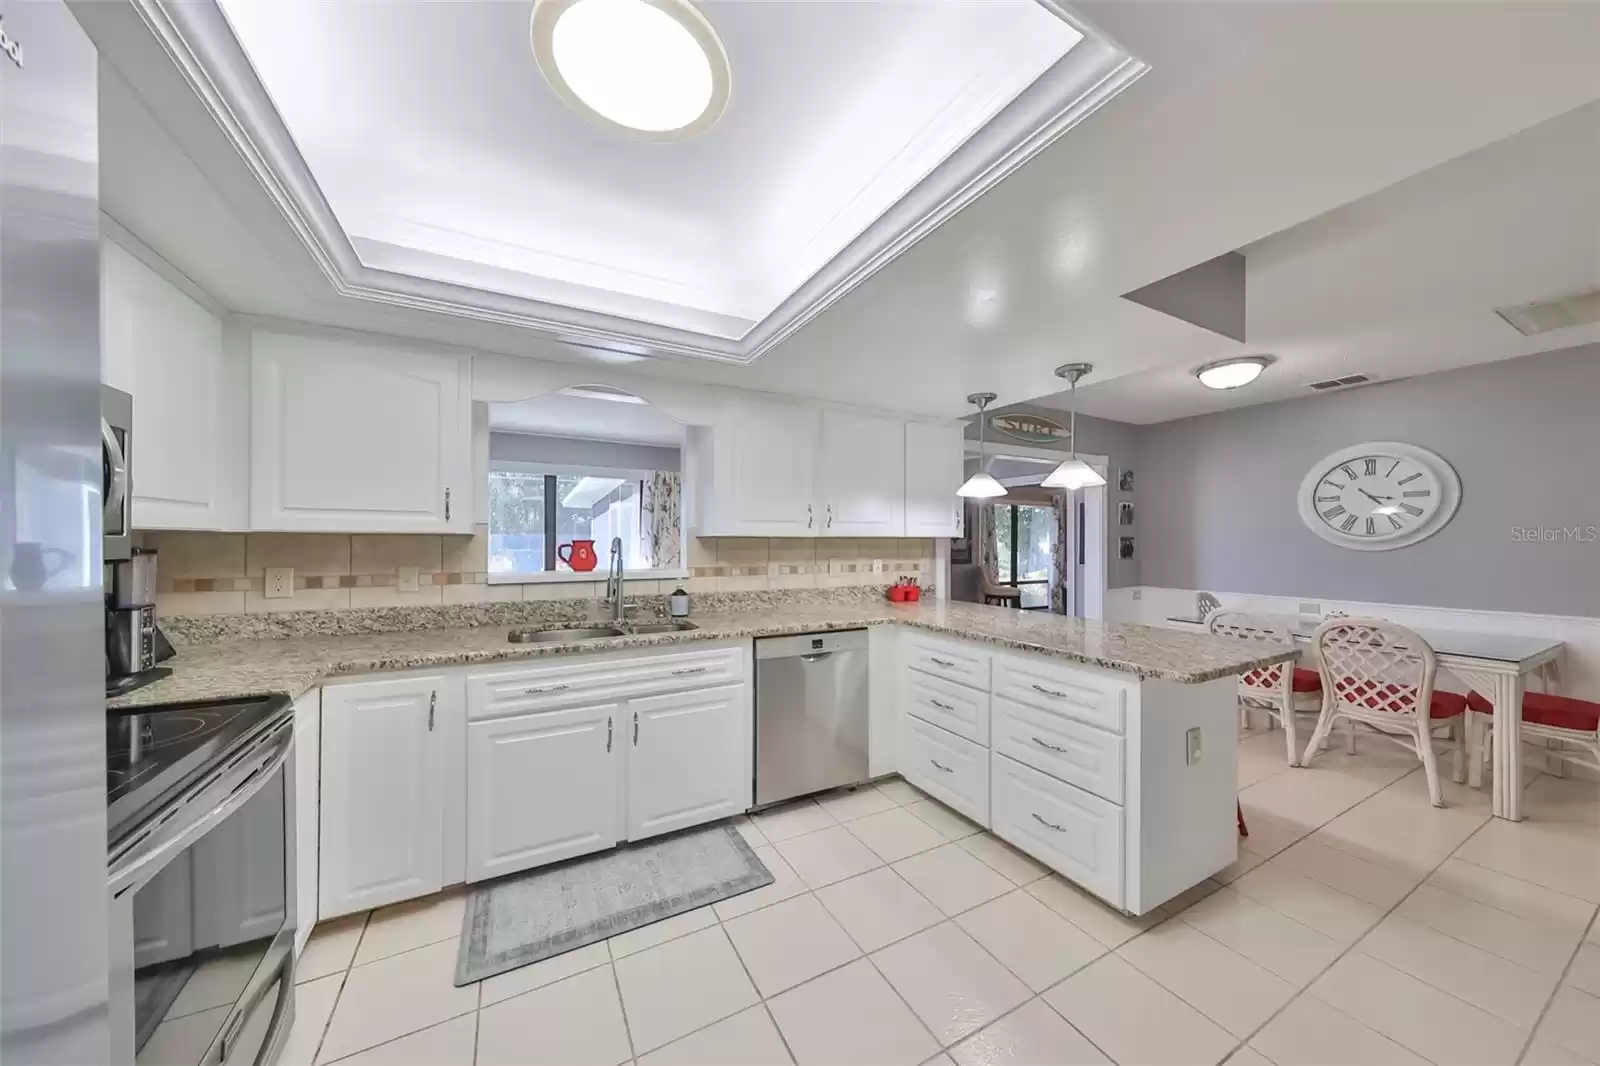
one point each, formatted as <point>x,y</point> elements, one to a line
<point>428,162</point>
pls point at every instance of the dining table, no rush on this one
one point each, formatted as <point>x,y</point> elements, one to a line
<point>1498,666</point>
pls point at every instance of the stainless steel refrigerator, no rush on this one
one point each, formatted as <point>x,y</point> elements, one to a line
<point>53,916</point>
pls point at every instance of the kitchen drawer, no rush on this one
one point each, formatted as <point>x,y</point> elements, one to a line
<point>961,710</point>
<point>1061,747</point>
<point>965,663</point>
<point>951,769</point>
<point>1078,835</point>
<point>586,680</point>
<point>1080,694</point>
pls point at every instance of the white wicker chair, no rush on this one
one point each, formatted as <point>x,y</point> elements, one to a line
<point>1271,688</point>
<point>1382,674</point>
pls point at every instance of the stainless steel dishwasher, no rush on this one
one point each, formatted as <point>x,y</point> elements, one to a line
<point>811,713</point>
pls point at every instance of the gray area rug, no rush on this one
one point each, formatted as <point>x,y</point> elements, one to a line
<point>536,915</point>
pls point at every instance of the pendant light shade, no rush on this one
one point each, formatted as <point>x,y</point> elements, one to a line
<point>981,486</point>
<point>1073,473</point>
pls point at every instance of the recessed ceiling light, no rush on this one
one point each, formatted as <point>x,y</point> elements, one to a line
<point>650,68</point>
<point>1232,373</point>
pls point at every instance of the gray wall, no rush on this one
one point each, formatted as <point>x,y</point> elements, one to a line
<point>527,448</point>
<point>1119,443</point>
<point>1216,493</point>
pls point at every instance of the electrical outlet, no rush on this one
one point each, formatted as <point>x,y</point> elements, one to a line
<point>406,581</point>
<point>278,583</point>
<point>877,566</point>
<point>1192,746</point>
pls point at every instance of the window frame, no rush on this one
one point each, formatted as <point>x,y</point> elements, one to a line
<point>1013,509</point>
<point>557,577</point>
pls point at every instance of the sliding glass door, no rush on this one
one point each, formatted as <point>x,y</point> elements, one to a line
<point>1025,542</point>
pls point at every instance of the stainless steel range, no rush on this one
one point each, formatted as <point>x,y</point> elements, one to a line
<point>200,820</point>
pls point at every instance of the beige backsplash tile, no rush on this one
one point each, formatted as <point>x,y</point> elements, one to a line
<point>199,555</point>
<point>302,600</point>
<point>743,551</point>
<point>386,553</point>
<point>389,596</point>
<point>466,554</point>
<point>174,603</point>
<point>306,553</point>
<point>702,551</point>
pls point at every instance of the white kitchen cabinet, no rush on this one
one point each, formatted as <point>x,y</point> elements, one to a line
<point>862,476</point>
<point>756,472</point>
<point>189,456</point>
<point>307,784</point>
<point>353,438</point>
<point>934,470</point>
<point>687,760</point>
<point>384,763</point>
<point>542,787</point>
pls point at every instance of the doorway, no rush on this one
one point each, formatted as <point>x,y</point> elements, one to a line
<point>1025,543</point>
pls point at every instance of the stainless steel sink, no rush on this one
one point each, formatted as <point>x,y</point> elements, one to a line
<point>644,628</point>
<point>553,636</point>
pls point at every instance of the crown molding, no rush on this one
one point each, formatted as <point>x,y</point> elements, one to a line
<point>196,36</point>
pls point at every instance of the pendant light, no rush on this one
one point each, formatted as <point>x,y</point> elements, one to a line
<point>981,486</point>
<point>1073,473</point>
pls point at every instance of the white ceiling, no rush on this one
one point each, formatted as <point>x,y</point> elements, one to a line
<point>1405,281</point>
<point>569,417</point>
<point>1254,119</point>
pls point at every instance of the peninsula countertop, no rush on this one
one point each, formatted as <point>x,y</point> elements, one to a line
<point>295,665</point>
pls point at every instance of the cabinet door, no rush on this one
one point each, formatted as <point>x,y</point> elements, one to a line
<point>863,476</point>
<point>933,473</point>
<point>687,763</point>
<point>382,805</point>
<point>166,350</point>
<point>541,788</point>
<point>765,483</point>
<point>352,438</point>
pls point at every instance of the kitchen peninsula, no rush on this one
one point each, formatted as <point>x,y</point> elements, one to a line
<point>1106,751</point>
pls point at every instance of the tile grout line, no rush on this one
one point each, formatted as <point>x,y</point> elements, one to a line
<point>622,1005</point>
<point>1561,982</point>
<point>761,1000</point>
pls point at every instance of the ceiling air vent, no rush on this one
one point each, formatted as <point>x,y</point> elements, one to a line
<point>1339,383</point>
<point>1578,309</point>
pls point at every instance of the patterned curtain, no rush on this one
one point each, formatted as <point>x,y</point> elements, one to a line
<point>661,532</point>
<point>1061,570</point>
<point>988,542</point>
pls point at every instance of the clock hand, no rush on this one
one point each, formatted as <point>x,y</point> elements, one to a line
<point>1369,495</point>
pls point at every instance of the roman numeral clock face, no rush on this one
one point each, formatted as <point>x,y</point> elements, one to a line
<point>1378,496</point>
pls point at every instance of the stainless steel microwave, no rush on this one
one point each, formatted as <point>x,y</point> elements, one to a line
<point>116,473</point>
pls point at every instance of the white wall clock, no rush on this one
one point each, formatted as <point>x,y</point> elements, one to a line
<point>1379,495</point>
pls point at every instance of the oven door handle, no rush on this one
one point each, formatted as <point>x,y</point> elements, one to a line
<point>117,466</point>
<point>280,1007</point>
<point>125,877</point>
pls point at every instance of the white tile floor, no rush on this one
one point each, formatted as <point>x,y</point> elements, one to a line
<point>1360,925</point>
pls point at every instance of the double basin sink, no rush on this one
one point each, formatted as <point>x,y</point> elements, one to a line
<point>626,629</point>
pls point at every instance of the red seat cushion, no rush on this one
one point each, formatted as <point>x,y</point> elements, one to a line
<point>1307,680</point>
<point>1557,712</point>
<point>1445,704</point>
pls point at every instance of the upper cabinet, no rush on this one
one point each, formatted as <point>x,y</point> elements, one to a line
<point>934,466</point>
<point>167,350</point>
<point>356,438</point>
<point>756,472</point>
<point>862,476</point>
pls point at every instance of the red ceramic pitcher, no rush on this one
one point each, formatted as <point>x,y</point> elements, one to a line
<point>579,555</point>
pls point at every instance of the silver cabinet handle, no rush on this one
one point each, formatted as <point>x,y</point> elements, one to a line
<point>941,706</point>
<point>608,734</point>
<point>1051,692</point>
<point>1048,825</point>
<point>937,765</point>
<point>433,701</point>
<point>542,691</point>
<point>689,670</point>
<point>636,729</point>
<point>935,660</point>
<point>1046,744</point>
<point>810,517</point>
<point>830,516</point>
<point>447,505</point>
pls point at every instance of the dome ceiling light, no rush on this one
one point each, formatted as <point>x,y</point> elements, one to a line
<point>653,69</point>
<point>1233,373</point>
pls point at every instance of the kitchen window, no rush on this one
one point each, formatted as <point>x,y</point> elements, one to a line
<point>535,511</point>
<point>1024,549</point>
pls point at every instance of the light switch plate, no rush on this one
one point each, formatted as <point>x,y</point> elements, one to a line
<point>277,583</point>
<point>407,579</point>
<point>1192,745</point>
<point>877,566</point>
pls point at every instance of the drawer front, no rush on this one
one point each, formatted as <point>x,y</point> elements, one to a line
<point>949,768</point>
<point>1078,694</point>
<point>1061,747</point>
<point>1078,835</point>
<point>965,663</point>
<point>587,680</point>
<point>961,710</point>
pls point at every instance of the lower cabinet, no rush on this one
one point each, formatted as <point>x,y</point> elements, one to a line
<point>386,758</point>
<point>1075,833</point>
<point>687,760</point>
<point>541,788</point>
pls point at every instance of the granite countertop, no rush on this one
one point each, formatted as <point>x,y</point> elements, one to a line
<point>295,665</point>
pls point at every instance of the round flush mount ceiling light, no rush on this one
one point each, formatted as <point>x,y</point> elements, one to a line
<point>1232,373</point>
<point>649,68</point>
